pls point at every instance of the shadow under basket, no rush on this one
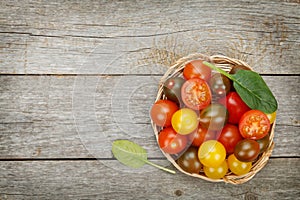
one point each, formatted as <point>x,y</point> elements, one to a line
<point>226,64</point>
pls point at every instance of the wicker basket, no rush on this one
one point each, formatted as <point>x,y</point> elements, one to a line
<point>226,64</point>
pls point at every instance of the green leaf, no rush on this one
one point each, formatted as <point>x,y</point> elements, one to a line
<point>254,91</point>
<point>129,153</point>
<point>251,88</point>
<point>133,155</point>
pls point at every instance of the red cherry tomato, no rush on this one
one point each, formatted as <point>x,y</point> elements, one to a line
<point>254,124</point>
<point>201,135</point>
<point>162,111</point>
<point>229,137</point>
<point>235,106</point>
<point>170,141</point>
<point>196,69</point>
<point>196,93</point>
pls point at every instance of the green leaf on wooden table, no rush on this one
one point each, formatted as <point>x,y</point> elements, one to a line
<point>251,88</point>
<point>133,155</point>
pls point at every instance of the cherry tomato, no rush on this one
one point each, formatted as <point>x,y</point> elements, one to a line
<point>236,68</point>
<point>246,150</point>
<point>201,135</point>
<point>162,111</point>
<point>263,143</point>
<point>238,167</point>
<point>254,124</point>
<point>235,106</point>
<point>172,89</point>
<point>171,142</point>
<point>229,137</point>
<point>196,94</point>
<point>213,117</point>
<point>216,172</point>
<point>184,121</point>
<point>219,84</point>
<point>196,69</point>
<point>189,161</point>
<point>272,117</point>
<point>212,153</point>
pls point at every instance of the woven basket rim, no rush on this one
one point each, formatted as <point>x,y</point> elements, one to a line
<point>225,63</point>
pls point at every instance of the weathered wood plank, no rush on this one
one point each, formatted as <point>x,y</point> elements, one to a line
<point>28,98</point>
<point>59,37</point>
<point>40,140</point>
<point>69,117</point>
<point>97,180</point>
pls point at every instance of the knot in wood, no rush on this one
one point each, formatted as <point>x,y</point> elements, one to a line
<point>178,193</point>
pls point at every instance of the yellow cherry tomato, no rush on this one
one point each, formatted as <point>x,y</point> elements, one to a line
<point>272,117</point>
<point>216,172</point>
<point>212,153</point>
<point>184,121</point>
<point>238,167</point>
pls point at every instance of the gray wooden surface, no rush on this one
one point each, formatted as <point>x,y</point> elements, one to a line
<point>75,76</point>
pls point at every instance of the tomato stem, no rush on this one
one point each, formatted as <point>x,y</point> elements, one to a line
<point>160,167</point>
<point>219,70</point>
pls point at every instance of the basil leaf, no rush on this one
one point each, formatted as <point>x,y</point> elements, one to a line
<point>254,91</point>
<point>133,155</point>
<point>251,88</point>
<point>129,153</point>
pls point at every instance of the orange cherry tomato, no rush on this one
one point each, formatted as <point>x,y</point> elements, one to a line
<point>196,69</point>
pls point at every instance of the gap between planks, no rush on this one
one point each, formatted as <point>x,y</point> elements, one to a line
<point>103,159</point>
<point>95,75</point>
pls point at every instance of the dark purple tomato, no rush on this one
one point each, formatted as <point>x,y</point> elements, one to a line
<point>236,68</point>
<point>219,85</point>
<point>246,150</point>
<point>213,117</point>
<point>189,160</point>
<point>172,89</point>
<point>263,143</point>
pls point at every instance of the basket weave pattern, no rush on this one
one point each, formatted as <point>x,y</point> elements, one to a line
<point>226,64</point>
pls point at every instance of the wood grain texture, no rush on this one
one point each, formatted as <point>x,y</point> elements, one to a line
<point>91,37</point>
<point>76,75</point>
<point>68,117</point>
<point>94,180</point>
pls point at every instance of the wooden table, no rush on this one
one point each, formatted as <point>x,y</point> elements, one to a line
<point>77,75</point>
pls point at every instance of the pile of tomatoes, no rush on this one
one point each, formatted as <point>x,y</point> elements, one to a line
<point>206,126</point>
